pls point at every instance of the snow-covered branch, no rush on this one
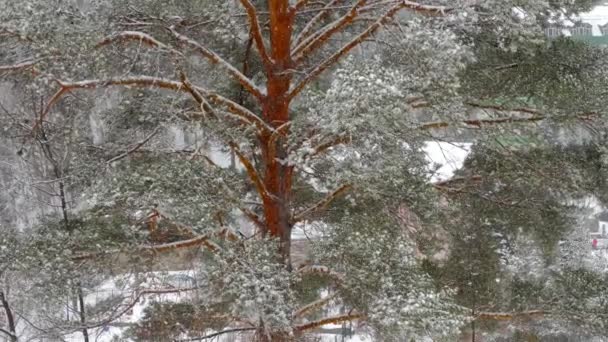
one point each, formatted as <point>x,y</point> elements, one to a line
<point>317,304</point>
<point>329,320</point>
<point>341,139</point>
<point>320,68</point>
<point>135,147</point>
<point>304,33</point>
<point>322,204</point>
<point>135,36</point>
<point>251,172</point>
<point>507,316</point>
<point>256,31</point>
<point>200,240</point>
<point>216,334</point>
<point>216,59</point>
<point>19,65</point>
<point>239,112</point>
<point>322,270</point>
<point>317,40</point>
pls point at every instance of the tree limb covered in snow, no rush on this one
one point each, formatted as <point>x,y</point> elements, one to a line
<point>256,31</point>
<point>316,40</point>
<point>216,59</point>
<point>322,204</point>
<point>310,307</point>
<point>329,320</point>
<point>239,112</point>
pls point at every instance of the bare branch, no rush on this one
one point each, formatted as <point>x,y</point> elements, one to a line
<point>136,147</point>
<point>315,41</point>
<point>385,18</point>
<point>216,59</point>
<point>322,204</point>
<point>256,31</point>
<point>329,320</point>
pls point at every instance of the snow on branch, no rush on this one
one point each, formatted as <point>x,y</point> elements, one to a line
<point>304,33</point>
<point>329,320</point>
<point>299,5</point>
<point>237,111</point>
<point>317,304</point>
<point>205,107</point>
<point>216,59</point>
<point>479,123</point>
<point>320,68</point>
<point>216,334</point>
<point>140,294</point>
<point>316,40</point>
<point>132,35</point>
<point>19,65</point>
<point>256,31</point>
<point>322,270</point>
<point>341,139</point>
<point>200,240</point>
<point>322,204</point>
<point>508,316</point>
<point>134,148</point>
<point>253,174</point>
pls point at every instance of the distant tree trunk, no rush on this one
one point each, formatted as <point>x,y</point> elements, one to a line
<point>9,317</point>
<point>58,173</point>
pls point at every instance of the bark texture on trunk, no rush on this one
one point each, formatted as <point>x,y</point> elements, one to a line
<point>277,173</point>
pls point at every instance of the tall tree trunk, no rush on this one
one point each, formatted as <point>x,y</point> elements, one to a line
<point>278,174</point>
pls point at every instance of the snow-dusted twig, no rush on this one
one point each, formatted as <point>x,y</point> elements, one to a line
<point>132,35</point>
<point>317,304</point>
<point>256,32</point>
<point>19,65</point>
<point>321,270</point>
<point>216,334</point>
<point>322,204</point>
<point>507,316</point>
<point>304,33</point>
<point>239,112</point>
<point>136,147</point>
<point>216,59</point>
<point>317,40</point>
<point>329,320</point>
<point>251,172</point>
